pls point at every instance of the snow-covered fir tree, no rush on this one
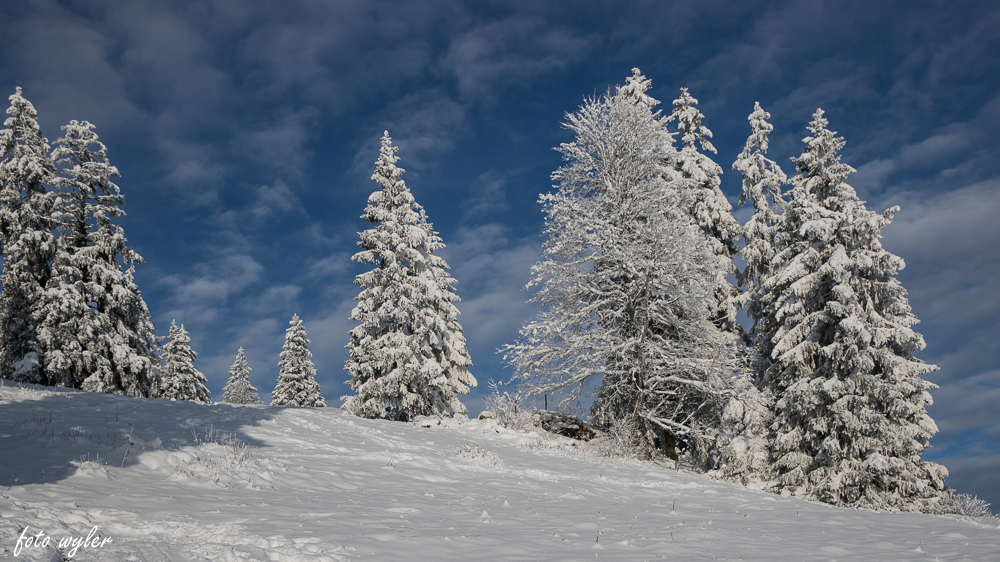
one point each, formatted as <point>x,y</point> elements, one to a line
<point>27,230</point>
<point>708,206</point>
<point>762,182</point>
<point>446,358</point>
<point>238,389</point>
<point>73,317</point>
<point>850,414</point>
<point>113,338</point>
<point>61,317</point>
<point>744,448</point>
<point>408,355</point>
<point>626,282</point>
<point>635,89</point>
<point>297,384</point>
<point>180,380</point>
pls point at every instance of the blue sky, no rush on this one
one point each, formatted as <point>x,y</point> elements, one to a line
<point>246,134</point>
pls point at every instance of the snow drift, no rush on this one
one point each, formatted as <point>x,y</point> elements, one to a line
<point>184,481</point>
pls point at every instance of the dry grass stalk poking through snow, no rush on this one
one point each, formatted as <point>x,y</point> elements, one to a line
<point>223,459</point>
<point>507,408</point>
<point>479,454</point>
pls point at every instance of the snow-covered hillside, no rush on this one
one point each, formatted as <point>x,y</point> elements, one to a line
<point>183,481</point>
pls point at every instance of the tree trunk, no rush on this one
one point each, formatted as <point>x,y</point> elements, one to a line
<point>670,444</point>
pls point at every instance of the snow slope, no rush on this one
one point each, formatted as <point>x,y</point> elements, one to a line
<point>184,481</point>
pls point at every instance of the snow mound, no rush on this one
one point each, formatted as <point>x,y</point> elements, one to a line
<point>178,480</point>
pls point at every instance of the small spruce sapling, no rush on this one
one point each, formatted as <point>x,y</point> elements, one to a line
<point>180,380</point>
<point>297,384</point>
<point>238,389</point>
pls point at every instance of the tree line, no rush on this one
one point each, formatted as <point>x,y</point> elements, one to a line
<point>820,397</point>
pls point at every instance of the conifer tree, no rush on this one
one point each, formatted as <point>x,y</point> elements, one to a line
<point>708,206</point>
<point>408,355</point>
<point>238,389</point>
<point>748,415</point>
<point>850,414</point>
<point>72,317</point>
<point>297,384</point>
<point>762,182</point>
<point>180,380</point>
<point>114,336</point>
<point>27,230</point>
<point>625,284</point>
<point>446,358</point>
<point>635,89</point>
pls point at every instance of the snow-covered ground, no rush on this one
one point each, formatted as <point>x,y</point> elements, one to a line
<point>183,481</point>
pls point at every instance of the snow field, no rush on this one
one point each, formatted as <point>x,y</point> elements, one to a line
<point>183,481</point>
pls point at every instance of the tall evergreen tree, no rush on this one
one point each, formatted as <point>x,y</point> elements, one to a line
<point>297,384</point>
<point>29,244</point>
<point>114,335</point>
<point>851,420</point>
<point>180,380</point>
<point>625,284</point>
<point>446,358</point>
<point>708,206</point>
<point>408,354</point>
<point>744,448</point>
<point>72,317</point>
<point>238,389</point>
<point>762,183</point>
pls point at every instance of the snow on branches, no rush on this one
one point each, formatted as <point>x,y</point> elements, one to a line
<point>625,284</point>
<point>850,418</point>
<point>117,342</point>
<point>70,315</point>
<point>238,389</point>
<point>27,225</point>
<point>180,380</point>
<point>297,384</point>
<point>707,205</point>
<point>408,355</point>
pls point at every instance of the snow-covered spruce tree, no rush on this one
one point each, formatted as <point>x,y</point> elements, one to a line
<point>850,421</point>
<point>446,358</point>
<point>29,244</point>
<point>708,206</point>
<point>408,355</point>
<point>239,390</point>
<point>625,284</point>
<point>180,380</point>
<point>744,454</point>
<point>635,89</point>
<point>112,346</point>
<point>297,384</point>
<point>762,182</point>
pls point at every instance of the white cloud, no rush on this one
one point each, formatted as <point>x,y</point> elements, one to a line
<point>199,296</point>
<point>333,265</point>
<point>486,195</point>
<point>513,51</point>
<point>492,270</point>
<point>275,199</point>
